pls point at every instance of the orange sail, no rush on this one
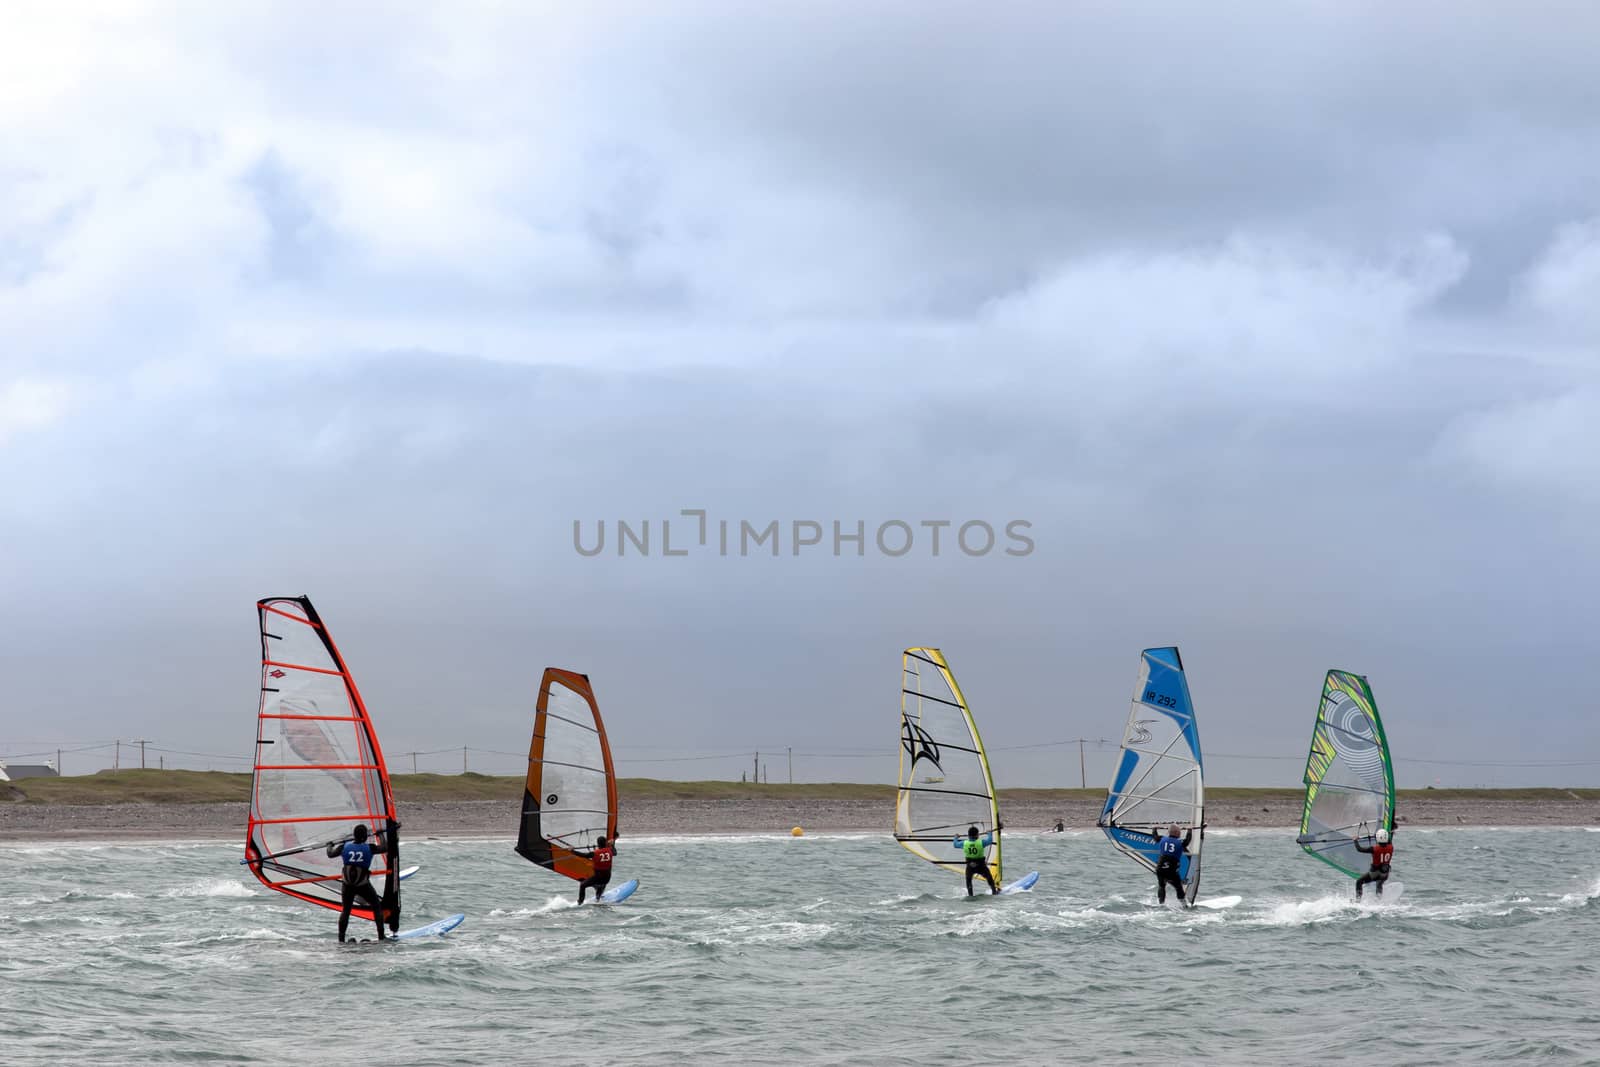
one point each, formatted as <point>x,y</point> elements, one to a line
<point>318,768</point>
<point>570,799</point>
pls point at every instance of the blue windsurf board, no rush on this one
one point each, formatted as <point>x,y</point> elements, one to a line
<point>443,926</point>
<point>1023,884</point>
<point>620,893</point>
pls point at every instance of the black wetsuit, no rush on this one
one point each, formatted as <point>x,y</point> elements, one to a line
<point>981,868</point>
<point>601,877</point>
<point>979,863</point>
<point>1167,868</point>
<point>1379,874</point>
<point>356,883</point>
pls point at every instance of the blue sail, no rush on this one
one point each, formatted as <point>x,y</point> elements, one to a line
<point>1160,779</point>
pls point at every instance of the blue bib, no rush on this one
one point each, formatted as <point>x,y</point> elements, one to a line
<point>1171,847</point>
<point>358,855</point>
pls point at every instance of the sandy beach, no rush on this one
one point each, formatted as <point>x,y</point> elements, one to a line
<point>675,808</point>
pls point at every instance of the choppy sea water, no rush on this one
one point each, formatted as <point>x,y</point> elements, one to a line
<point>823,949</point>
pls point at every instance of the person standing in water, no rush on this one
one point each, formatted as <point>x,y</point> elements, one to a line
<point>356,877</point>
<point>1061,827</point>
<point>1382,853</point>
<point>972,847</point>
<point>604,854</point>
<point>1170,851</point>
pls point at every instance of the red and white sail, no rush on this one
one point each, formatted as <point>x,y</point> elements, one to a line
<point>318,768</point>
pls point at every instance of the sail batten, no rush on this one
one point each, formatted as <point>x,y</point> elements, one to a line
<point>1159,780</point>
<point>318,768</point>
<point>570,794</point>
<point>1349,774</point>
<point>945,784</point>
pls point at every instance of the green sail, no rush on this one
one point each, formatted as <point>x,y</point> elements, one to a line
<point>1349,775</point>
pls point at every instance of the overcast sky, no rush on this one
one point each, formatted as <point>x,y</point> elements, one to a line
<point>1279,326</point>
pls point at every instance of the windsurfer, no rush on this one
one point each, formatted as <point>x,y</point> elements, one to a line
<point>1171,849</point>
<point>972,847</point>
<point>1382,853</point>
<point>356,878</point>
<point>604,854</point>
<point>1060,826</point>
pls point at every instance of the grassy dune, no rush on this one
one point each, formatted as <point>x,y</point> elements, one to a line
<point>203,787</point>
<point>137,787</point>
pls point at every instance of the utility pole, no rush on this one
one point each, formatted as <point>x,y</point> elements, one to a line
<point>463,759</point>
<point>1083,777</point>
<point>791,765</point>
<point>141,743</point>
<point>58,762</point>
<point>163,760</point>
<point>116,758</point>
<point>755,774</point>
<point>413,756</point>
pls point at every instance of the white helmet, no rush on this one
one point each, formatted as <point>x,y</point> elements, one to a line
<point>1383,837</point>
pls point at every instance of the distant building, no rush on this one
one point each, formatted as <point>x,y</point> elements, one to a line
<point>17,771</point>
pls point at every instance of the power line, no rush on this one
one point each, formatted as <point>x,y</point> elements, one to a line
<point>205,755</point>
<point>53,751</point>
<point>684,759</point>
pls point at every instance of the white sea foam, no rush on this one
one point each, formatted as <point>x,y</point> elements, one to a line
<point>772,933</point>
<point>554,904</point>
<point>212,887</point>
<point>1304,912</point>
<point>259,933</point>
<point>1583,897</point>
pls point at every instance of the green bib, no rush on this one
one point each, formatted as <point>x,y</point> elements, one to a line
<point>973,850</point>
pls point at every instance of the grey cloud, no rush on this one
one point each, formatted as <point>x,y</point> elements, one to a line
<point>1274,326</point>
<point>429,499</point>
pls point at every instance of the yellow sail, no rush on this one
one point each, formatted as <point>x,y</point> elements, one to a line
<point>945,783</point>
